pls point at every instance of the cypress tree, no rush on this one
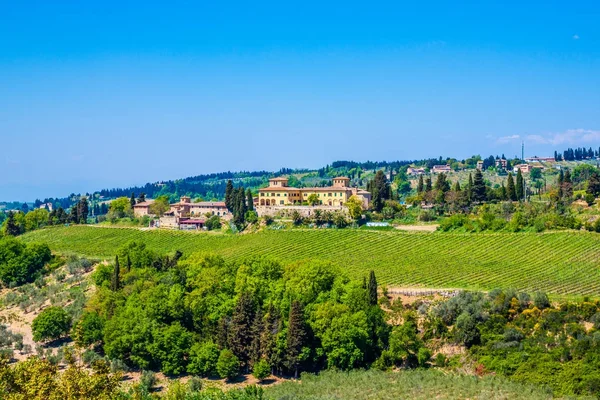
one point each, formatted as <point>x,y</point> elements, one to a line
<point>128,263</point>
<point>470,188</point>
<point>428,184</point>
<point>519,185</point>
<point>240,331</point>
<point>560,183</point>
<point>249,200</point>
<point>372,288</point>
<point>229,195</point>
<point>82,210</point>
<point>258,326</point>
<point>269,337</point>
<point>380,190</point>
<point>420,185</point>
<point>511,194</point>
<point>115,283</point>
<point>568,192</point>
<point>132,199</point>
<point>457,187</point>
<point>296,337</point>
<point>478,191</point>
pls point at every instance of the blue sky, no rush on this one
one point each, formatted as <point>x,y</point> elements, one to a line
<point>101,94</point>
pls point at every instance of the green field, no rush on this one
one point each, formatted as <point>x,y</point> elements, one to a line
<point>561,263</point>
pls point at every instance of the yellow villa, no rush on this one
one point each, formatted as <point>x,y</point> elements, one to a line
<point>278,193</point>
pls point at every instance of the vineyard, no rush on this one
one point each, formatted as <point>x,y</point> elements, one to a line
<point>561,263</point>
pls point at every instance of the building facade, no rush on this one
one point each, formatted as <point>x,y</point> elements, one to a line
<point>278,193</point>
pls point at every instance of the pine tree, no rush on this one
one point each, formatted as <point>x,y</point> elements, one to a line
<point>372,288</point>
<point>11,226</point>
<point>511,194</point>
<point>258,326</point>
<point>240,335</point>
<point>296,337</point>
<point>519,185</point>
<point>132,199</point>
<point>420,185</point>
<point>115,282</point>
<point>249,200</point>
<point>229,195</point>
<point>478,191</point>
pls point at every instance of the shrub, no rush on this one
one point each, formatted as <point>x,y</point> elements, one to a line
<point>540,300</point>
<point>261,370</point>
<point>89,329</point>
<point>423,356</point>
<point>52,323</point>
<point>203,359</point>
<point>147,380</point>
<point>228,365</point>
<point>20,263</point>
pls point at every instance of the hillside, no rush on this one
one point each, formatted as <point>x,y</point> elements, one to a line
<point>560,263</point>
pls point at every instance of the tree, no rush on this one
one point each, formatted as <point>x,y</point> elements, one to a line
<point>11,228</point>
<point>203,359</point>
<point>269,336</point>
<point>420,185</point>
<point>20,263</point>
<point>89,329</point>
<point>355,207</point>
<point>229,195</point>
<point>296,337</point>
<point>141,198</point>
<point>380,190</point>
<point>478,189</point>
<point>132,199</point>
<point>119,208</point>
<point>372,288</point>
<point>568,185</point>
<point>510,188</point>
<point>228,365</point>
<point>160,205</point>
<point>240,333</point>
<point>258,326</point>
<point>261,370</point>
<point>519,188</point>
<point>470,188</point>
<point>249,200</point>
<point>594,184</point>
<point>442,183</point>
<point>467,331</point>
<point>115,282</point>
<point>82,210</point>
<point>428,186</point>
<point>52,323</point>
<point>313,199</point>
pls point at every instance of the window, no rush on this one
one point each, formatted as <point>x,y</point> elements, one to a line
<point>329,194</point>
<point>285,195</point>
<point>278,194</point>
<point>262,194</point>
<point>305,194</point>
<point>280,201</point>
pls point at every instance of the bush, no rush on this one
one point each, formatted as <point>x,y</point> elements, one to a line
<point>228,365</point>
<point>20,263</point>
<point>203,359</point>
<point>589,199</point>
<point>261,370</point>
<point>147,381</point>
<point>540,300</point>
<point>423,356</point>
<point>52,323</point>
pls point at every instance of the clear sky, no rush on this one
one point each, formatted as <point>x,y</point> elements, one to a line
<point>98,94</point>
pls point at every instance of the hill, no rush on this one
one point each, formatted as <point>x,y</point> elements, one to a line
<point>560,263</point>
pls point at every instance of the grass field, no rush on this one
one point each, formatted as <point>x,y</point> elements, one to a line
<point>409,384</point>
<point>560,263</point>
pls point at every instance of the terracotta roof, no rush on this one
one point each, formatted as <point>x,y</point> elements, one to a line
<point>278,189</point>
<point>278,179</point>
<point>342,177</point>
<point>144,203</point>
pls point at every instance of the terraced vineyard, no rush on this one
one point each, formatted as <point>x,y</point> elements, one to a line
<point>562,263</point>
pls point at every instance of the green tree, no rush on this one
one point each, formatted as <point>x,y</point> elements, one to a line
<point>466,330</point>
<point>170,347</point>
<point>313,199</point>
<point>519,188</point>
<point>51,324</point>
<point>428,186</point>
<point>119,208</point>
<point>380,190</point>
<point>36,219</point>
<point>115,282</point>
<point>240,331</point>
<point>478,189</point>
<point>228,365</point>
<point>261,370</point>
<point>132,199</point>
<point>256,347</point>
<point>229,195</point>
<point>593,186</point>
<point>355,207</point>
<point>372,288</point>
<point>203,359</point>
<point>20,263</point>
<point>11,228</point>
<point>249,200</point>
<point>442,184</point>
<point>269,336</point>
<point>296,337</point>
<point>160,205</point>
<point>510,188</point>
<point>82,210</point>
<point>420,184</point>
<point>89,330</point>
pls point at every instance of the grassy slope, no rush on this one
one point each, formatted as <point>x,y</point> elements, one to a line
<point>411,384</point>
<point>563,263</point>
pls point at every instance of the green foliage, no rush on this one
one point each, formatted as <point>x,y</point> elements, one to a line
<point>203,359</point>
<point>20,262</point>
<point>228,365</point>
<point>261,370</point>
<point>89,329</point>
<point>52,323</point>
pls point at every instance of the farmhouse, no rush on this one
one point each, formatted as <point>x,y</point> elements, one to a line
<point>441,168</point>
<point>278,193</point>
<point>523,167</point>
<point>186,209</point>
<point>143,208</point>
<point>501,163</point>
<point>415,171</point>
